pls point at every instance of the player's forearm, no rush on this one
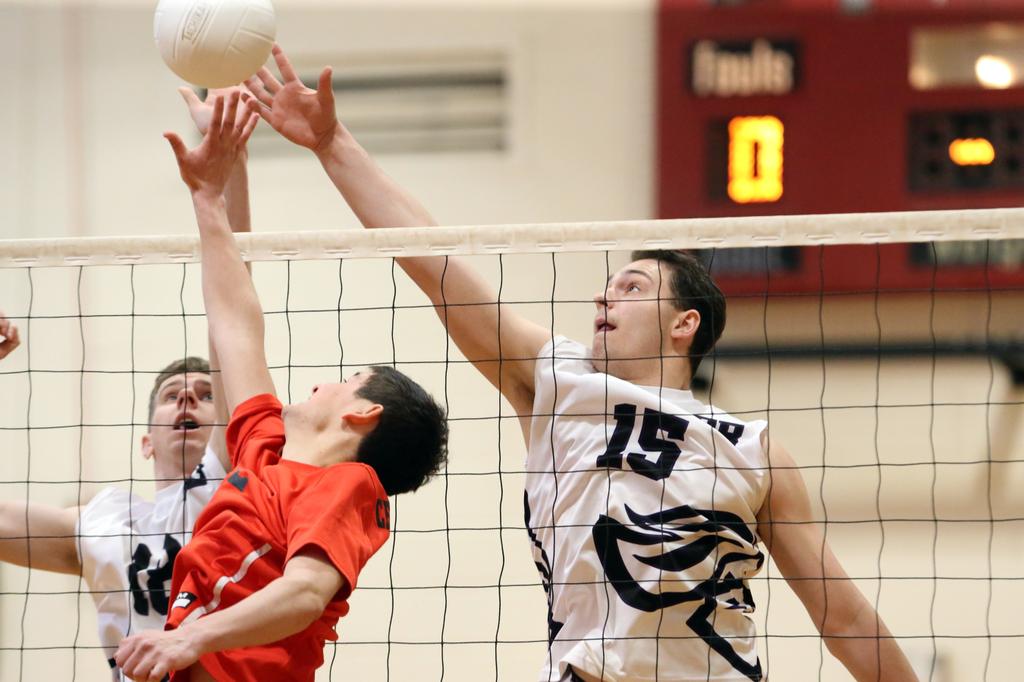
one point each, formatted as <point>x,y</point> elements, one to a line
<point>14,547</point>
<point>378,202</point>
<point>464,300</point>
<point>376,199</point>
<point>236,201</point>
<point>281,609</point>
<point>236,196</point>
<point>232,306</point>
<point>39,536</point>
<point>864,645</point>
<point>218,442</point>
<point>871,659</point>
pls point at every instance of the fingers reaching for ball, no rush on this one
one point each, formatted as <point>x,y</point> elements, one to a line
<point>284,64</point>
<point>250,125</point>
<point>201,110</point>
<point>216,120</point>
<point>231,110</point>
<point>232,119</point>
<point>258,89</point>
<point>302,115</point>
<point>207,168</point>
<point>9,338</point>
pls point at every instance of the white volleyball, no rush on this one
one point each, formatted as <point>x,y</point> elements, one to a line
<point>215,43</point>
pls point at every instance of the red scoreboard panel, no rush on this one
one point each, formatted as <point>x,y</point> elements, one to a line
<point>775,107</point>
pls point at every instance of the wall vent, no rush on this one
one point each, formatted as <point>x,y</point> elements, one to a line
<point>414,102</point>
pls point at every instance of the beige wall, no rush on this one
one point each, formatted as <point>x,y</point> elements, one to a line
<point>84,157</point>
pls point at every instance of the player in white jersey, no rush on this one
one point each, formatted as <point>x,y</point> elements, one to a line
<point>646,508</point>
<point>122,545</point>
<point>656,507</point>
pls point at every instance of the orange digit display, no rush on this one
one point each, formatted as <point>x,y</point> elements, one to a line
<point>755,159</point>
<point>975,151</point>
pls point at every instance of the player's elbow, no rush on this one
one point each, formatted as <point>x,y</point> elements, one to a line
<point>9,519</point>
<point>855,635</point>
<point>307,603</point>
<point>313,582</point>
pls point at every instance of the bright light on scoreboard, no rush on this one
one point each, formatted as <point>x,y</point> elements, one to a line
<point>994,72</point>
<point>976,151</point>
<point>755,159</point>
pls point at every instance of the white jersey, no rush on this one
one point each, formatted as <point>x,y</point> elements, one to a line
<point>127,546</point>
<point>641,505</point>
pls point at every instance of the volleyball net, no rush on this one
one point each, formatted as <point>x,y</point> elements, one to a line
<point>902,405</point>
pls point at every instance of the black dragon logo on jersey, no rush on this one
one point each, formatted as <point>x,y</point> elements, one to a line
<point>544,566</point>
<point>156,571</point>
<point>689,537</point>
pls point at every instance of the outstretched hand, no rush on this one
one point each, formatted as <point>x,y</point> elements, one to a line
<point>150,655</point>
<point>303,116</point>
<point>206,168</point>
<point>201,110</point>
<point>9,334</point>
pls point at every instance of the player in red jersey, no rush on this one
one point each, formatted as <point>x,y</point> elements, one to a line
<point>278,550</point>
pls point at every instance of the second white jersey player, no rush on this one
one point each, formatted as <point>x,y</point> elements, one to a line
<point>127,548</point>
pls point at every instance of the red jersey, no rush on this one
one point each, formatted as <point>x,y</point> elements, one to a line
<point>267,510</point>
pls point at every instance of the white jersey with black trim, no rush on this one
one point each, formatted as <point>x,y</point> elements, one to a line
<point>127,546</point>
<point>641,508</point>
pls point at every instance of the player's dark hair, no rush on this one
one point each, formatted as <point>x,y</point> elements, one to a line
<point>693,289</point>
<point>410,442</point>
<point>189,364</point>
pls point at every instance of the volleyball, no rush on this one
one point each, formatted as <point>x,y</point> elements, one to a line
<point>214,43</point>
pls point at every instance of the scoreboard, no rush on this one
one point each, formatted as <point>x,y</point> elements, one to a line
<point>800,107</point>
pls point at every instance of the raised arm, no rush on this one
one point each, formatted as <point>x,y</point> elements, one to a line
<point>232,307</point>
<point>852,629</point>
<point>236,199</point>
<point>236,189</point>
<point>466,303</point>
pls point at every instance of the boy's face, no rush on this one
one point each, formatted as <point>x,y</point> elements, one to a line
<point>182,420</point>
<point>632,319</point>
<point>329,403</point>
<point>341,396</point>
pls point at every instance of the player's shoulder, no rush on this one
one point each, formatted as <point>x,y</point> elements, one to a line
<point>564,354</point>
<point>564,347</point>
<point>740,427</point>
<point>739,417</point>
<point>358,478</point>
<point>110,498</point>
<point>111,506</point>
<point>210,466</point>
<point>257,417</point>
<point>257,406</point>
<point>775,449</point>
<point>341,489</point>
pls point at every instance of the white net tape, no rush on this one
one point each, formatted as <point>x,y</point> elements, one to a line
<point>690,233</point>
